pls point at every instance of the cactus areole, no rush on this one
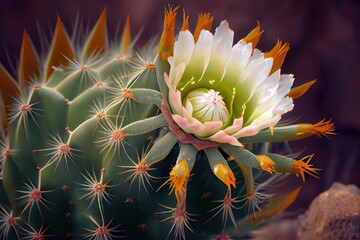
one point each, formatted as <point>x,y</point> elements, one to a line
<point>167,141</point>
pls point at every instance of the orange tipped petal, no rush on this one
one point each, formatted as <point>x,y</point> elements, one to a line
<point>300,90</point>
<point>61,49</point>
<point>266,163</point>
<point>179,176</point>
<point>29,64</point>
<point>225,174</point>
<point>167,40</point>
<point>126,37</point>
<point>322,128</point>
<point>301,167</point>
<point>204,23</point>
<point>185,25</point>
<point>278,53</point>
<point>96,42</point>
<point>254,36</point>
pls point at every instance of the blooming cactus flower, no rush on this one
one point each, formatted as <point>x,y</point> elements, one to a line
<point>222,92</point>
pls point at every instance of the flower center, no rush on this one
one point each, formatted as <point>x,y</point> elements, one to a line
<point>206,105</point>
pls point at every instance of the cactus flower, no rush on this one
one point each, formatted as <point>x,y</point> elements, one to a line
<point>222,92</point>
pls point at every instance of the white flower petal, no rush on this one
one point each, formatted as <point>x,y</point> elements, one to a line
<point>201,54</point>
<point>286,81</point>
<point>236,62</point>
<point>240,54</point>
<point>176,74</point>
<point>184,47</point>
<point>284,106</point>
<point>222,43</point>
<point>265,97</point>
<point>175,99</point>
<point>258,70</point>
<point>256,54</point>
<point>268,88</point>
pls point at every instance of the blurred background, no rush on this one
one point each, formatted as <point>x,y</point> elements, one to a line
<point>324,37</point>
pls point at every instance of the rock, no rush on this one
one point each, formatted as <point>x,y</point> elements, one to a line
<point>334,214</point>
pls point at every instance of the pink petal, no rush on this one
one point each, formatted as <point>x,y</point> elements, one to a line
<point>222,137</point>
<point>196,127</point>
<point>235,127</point>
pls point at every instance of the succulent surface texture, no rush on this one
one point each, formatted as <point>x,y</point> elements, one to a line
<point>102,140</point>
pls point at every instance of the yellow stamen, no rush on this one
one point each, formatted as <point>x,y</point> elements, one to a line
<point>301,167</point>
<point>300,90</point>
<point>266,163</point>
<point>166,45</point>
<point>204,23</point>
<point>278,53</point>
<point>185,25</point>
<point>225,174</point>
<point>272,130</point>
<point>254,36</point>
<point>322,128</point>
<point>179,176</point>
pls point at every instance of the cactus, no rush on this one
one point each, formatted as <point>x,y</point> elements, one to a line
<point>97,145</point>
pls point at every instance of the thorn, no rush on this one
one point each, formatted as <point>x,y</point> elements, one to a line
<point>67,129</point>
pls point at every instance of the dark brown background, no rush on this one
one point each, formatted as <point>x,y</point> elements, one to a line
<point>324,38</point>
